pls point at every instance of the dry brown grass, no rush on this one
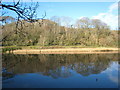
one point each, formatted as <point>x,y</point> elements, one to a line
<point>67,51</point>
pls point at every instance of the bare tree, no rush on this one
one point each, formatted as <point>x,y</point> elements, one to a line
<point>84,23</point>
<point>67,21</point>
<point>99,25</point>
<point>6,19</point>
<point>25,12</point>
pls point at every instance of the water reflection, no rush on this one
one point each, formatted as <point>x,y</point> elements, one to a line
<point>57,66</point>
<point>60,71</point>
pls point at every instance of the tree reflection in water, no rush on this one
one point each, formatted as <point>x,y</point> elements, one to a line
<point>56,66</point>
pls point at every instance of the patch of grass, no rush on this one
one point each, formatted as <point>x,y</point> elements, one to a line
<point>11,48</point>
<point>5,49</point>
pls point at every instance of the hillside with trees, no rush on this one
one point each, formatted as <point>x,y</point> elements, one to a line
<point>84,32</point>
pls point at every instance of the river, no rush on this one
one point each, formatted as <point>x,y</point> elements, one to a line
<point>60,70</point>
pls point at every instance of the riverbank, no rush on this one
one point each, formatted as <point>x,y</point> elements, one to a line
<point>66,51</point>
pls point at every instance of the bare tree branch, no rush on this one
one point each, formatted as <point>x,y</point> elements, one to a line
<point>27,13</point>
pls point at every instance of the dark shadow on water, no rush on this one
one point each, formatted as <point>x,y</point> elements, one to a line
<point>56,66</point>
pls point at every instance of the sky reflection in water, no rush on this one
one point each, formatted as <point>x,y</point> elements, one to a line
<point>60,71</point>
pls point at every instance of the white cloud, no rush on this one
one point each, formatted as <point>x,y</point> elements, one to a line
<point>113,78</point>
<point>109,17</point>
<point>81,17</point>
<point>113,7</point>
<point>113,68</point>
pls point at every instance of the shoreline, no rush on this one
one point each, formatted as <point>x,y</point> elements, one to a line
<point>66,51</point>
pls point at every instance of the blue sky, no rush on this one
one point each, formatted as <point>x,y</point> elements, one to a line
<point>74,10</point>
<point>71,9</point>
<point>106,11</point>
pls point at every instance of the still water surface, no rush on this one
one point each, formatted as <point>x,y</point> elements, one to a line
<point>60,71</point>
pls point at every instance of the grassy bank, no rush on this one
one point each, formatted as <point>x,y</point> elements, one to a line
<point>50,47</point>
<point>57,49</point>
<point>10,48</point>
